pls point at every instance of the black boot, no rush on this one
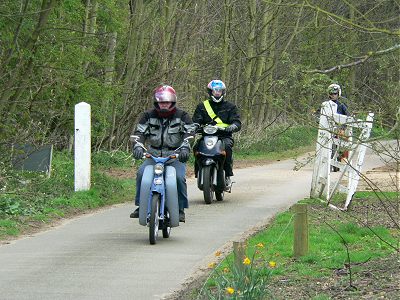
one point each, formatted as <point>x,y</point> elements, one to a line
<point>135,214</point>
<point>228,184</point>
<point>181,216</point>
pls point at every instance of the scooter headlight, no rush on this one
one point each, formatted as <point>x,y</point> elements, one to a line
<point>210,141</point>
<point>158,169</point>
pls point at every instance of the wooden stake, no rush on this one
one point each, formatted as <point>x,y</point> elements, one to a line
<point>239,253</point>
<point>300,245</point>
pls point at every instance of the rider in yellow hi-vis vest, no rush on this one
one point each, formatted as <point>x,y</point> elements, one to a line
<point>218,111</point>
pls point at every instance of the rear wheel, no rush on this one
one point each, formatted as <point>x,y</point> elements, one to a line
<point>153,226</point>
<point>166,231</point>
<point>208,188</point>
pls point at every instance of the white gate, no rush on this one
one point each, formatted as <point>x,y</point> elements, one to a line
<point>335,135</point>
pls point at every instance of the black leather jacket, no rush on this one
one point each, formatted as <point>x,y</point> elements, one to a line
<point>163,135</point>
<point>226,111</point>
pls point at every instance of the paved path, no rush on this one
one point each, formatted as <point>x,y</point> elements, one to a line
<point>106,255</point>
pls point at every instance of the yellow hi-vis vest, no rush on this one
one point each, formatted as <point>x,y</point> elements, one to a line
<point>212,114</point>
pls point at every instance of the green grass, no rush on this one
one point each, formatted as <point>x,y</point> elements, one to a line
<point>8,228</point>
<point>327,251</point>
<point>32,196</point>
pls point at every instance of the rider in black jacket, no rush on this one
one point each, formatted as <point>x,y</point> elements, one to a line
<point>164,128</point>
<point>217,111</point>
<point>335,95</point>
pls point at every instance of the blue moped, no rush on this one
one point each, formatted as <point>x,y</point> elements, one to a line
<point>158,208</point>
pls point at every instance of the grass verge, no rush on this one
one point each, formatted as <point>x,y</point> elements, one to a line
<point>31,200</point>
<point>343,249</point>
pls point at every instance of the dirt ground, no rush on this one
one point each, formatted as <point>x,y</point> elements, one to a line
<point>384,178</point>
<point>375,279</point>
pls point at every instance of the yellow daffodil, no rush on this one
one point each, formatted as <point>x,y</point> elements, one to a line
<point>226,270</point>
<point>211,265</point>
<point>230,290</point>
<point>260,245</point>
<point>217,253</point>
<point>246,261</point>
<point>272,264</point>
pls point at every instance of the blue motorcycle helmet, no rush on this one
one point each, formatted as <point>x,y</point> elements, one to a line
<point>216,90</point>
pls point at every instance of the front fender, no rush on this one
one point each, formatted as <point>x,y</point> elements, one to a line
<point>209,162</point>
<point>145,190</point>
<point>171,199</point>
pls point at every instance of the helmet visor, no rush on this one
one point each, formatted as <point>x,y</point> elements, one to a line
<point>217,92</point>
<point>165,96</point>
<point>333,90</point>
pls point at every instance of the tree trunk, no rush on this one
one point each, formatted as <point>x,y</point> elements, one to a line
<point>260,67</point>
<point>168,8</point>
<point>11,49</point>
<point>109,78</point>
<point>226,41</point>
<point>110,64</point>
<point>249,60</point>
<point>353,47</point>
<point>23,71</point>
<point>90,24</point>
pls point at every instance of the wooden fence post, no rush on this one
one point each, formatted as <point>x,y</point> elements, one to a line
<point>300,245</point>
<point>239,253</point>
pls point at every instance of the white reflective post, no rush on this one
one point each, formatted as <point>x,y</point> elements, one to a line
<point>82,146</point>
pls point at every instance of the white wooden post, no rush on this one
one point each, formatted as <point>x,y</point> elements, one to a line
<point>329,123</point>
<point>321,176</point>
<point>354,174</point>
<point>82,146</point>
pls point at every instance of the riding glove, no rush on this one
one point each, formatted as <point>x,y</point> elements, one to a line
<point>138,152</point>
<point>231,128</point>
<point>184,155</point>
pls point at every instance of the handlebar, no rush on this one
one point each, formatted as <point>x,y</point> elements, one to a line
<point>209,129</point>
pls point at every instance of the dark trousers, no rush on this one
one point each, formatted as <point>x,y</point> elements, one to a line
<point>228,166</point>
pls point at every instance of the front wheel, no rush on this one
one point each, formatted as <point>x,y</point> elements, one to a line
<point>208,187</point>
<point>166,230</point>
<point>153,226</point>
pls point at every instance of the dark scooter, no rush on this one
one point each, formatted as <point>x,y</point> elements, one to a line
<point>210,157</point>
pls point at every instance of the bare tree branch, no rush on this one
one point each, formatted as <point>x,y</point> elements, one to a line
<point>357,62</point>
<point>351,23</point>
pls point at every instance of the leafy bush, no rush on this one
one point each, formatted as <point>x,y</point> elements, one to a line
<point>112,159</point>
<point>277,139</point>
